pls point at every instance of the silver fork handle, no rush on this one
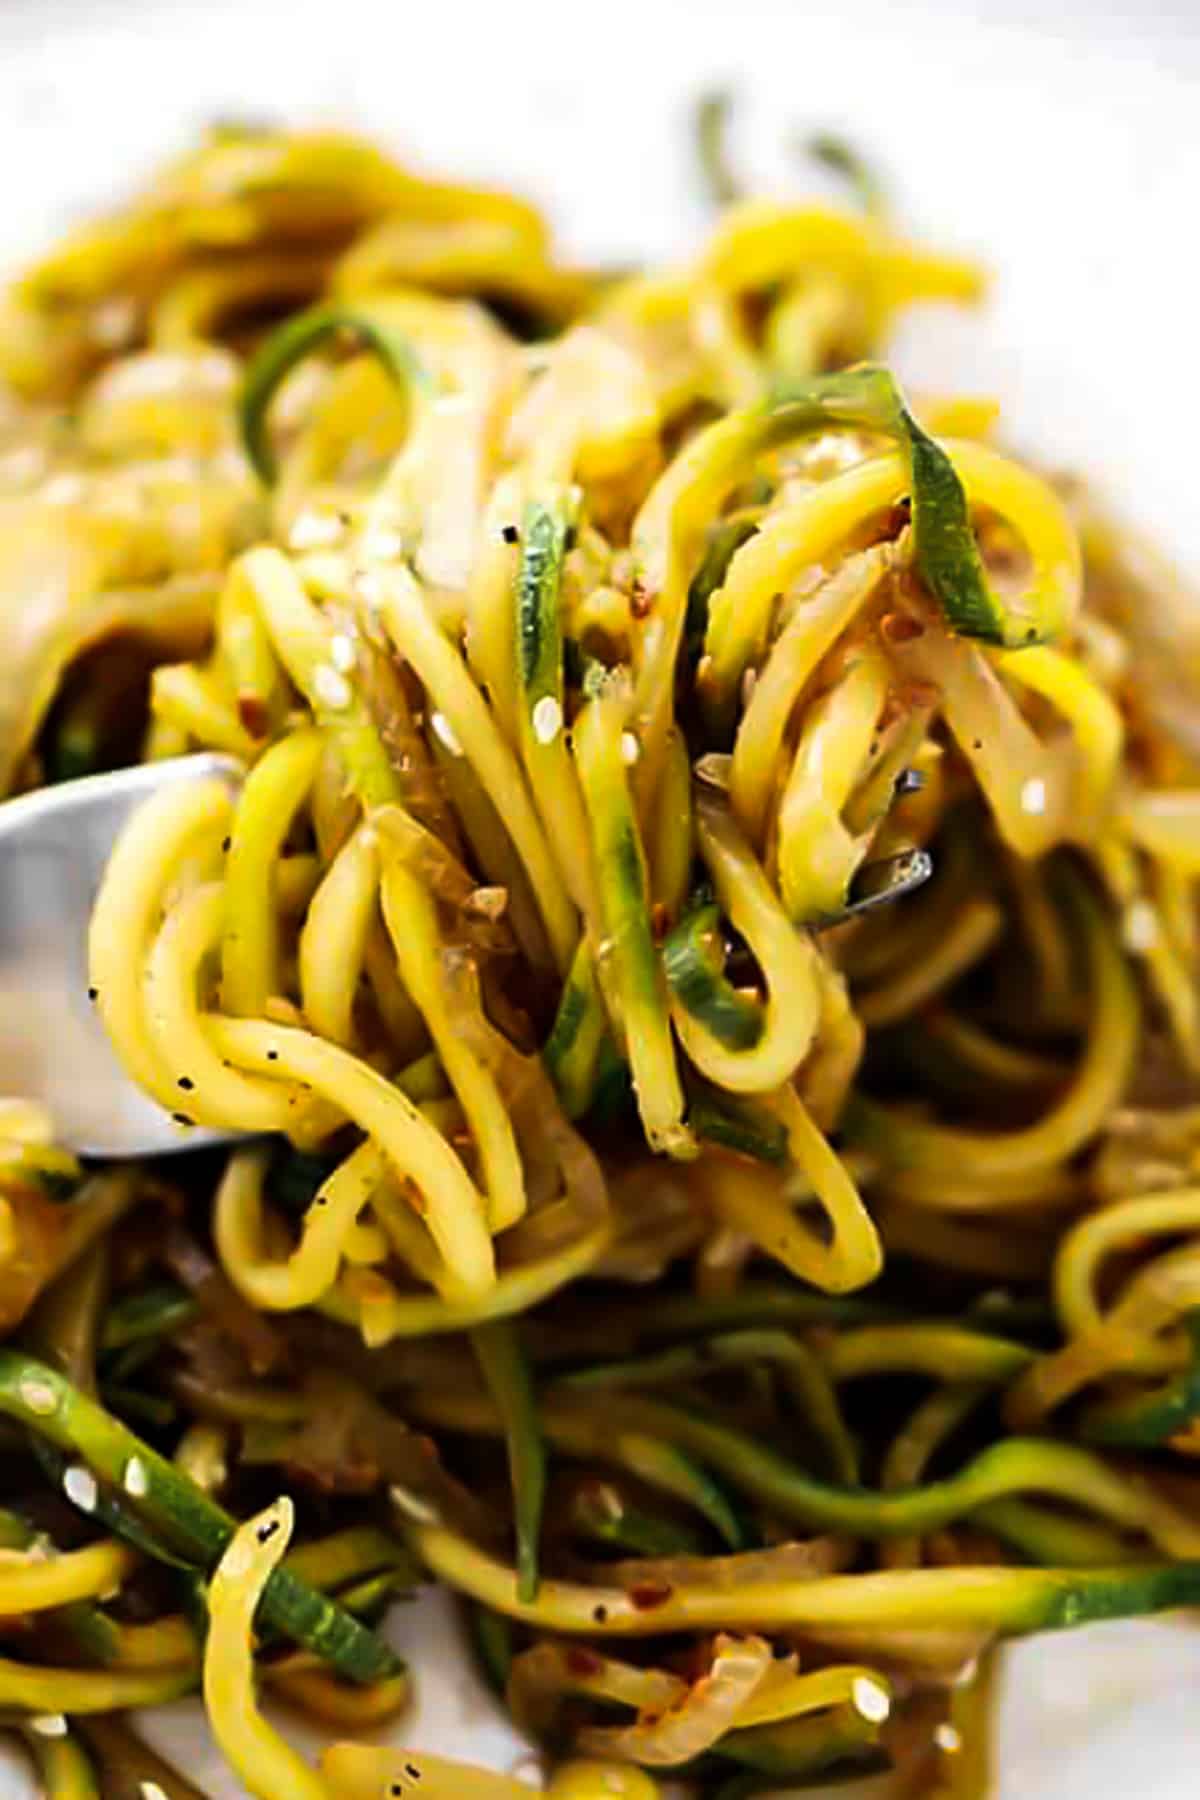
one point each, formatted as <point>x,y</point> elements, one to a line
<point>54,845</point>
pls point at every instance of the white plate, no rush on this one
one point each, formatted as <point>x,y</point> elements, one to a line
<point>1060,143</point>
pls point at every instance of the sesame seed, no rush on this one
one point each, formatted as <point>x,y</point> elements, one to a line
<point>369,589</point>
<point>948,1738</point>
<point>23,465</point>
<point>135,1480</point>
<point>1139,927</point>
<point>113,323</point>
<point>630,748</point>
<point>38,1395</point>
<point>332,689</point>
<point>49,1725</point>
<point>63,490</point>
<point>445,731</point>
<point>150,1790</point>
<point>412,1505</point>
<point>870,1699</point>
<point>79,1485</point>
<point>313,531</point>
<point>342,653</point>
<point>1033,795</point>
<point>546,719</point>
<point>382,545</point>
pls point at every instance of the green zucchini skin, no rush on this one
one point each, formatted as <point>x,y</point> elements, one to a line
<point>675,1472</point>
<point>947,556</point>
<point>601,1513</point>
<point>506,1371</point>
<point>1152,1418</point>
<point>291,344</point>
<point>151,1313</point>
<point>573,1053</point>
<point>539,579</point>
<point>724,541</point>
<point>491,1637</point>
<point>192,1524</point>
<point>736,1124</point>
<point>839,1745</point>
<point>692,964</point>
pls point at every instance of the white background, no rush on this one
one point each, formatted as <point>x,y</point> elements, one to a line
<point>1058,141</point>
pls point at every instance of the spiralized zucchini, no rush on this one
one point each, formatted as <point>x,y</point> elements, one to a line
<point>649,1226</point>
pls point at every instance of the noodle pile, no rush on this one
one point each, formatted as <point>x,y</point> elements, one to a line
<point>754,1293</point>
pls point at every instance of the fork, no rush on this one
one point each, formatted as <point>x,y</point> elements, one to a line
<point>54,847</point>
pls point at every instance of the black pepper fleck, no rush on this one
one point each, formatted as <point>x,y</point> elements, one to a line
<point>600,1614</point>
<point>186,1083</point>
<point>510,534</point>
<point>272,1056</point>
<point>182,1119</point>
<point>266,1532</point>
<point>225,843</point>
<point>93,993</point>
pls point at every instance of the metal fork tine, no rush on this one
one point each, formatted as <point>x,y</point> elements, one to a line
<point>879,883</point>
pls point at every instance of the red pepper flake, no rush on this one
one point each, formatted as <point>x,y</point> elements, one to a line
<point>583,1662</point>
<point>649,1594</point>
<point>252,711</point>
<point>900,628</point>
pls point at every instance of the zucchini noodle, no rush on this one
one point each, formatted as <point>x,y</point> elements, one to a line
<point>264,1760</point>
<point>633,1205</point>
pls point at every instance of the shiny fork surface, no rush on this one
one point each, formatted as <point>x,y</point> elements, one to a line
<point>54,845</point>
